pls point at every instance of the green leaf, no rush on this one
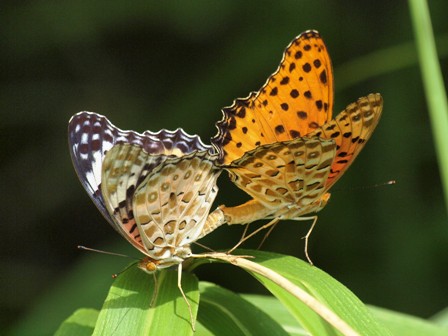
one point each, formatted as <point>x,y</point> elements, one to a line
<point>319,285</point>
<point>402,324</point>
<point>441,318</point>
<point>398,323</point>
<point>225,313</point>
<point>127,309</point>
<point>80,323</point>
<point>276,310</point>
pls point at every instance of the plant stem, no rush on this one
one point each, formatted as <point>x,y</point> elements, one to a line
<point>433,85</point>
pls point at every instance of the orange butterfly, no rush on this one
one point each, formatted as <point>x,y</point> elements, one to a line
<point>280,144</point>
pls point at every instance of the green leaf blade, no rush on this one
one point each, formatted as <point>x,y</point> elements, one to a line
<point>403,324</point>
<point>127,309</point>
<point>275,309</point>
<point>80,323</point>
<point>321,286</point>
<point>225,313</point>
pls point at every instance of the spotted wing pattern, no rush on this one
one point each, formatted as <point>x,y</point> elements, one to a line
<point>350,130</point>
<point>290,179</point>
<point>286,175</point>
<point>296,99</point>
<point>170,204</point>
<point>91,135</point>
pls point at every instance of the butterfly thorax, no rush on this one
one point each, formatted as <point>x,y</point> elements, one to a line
<point>254,210</point>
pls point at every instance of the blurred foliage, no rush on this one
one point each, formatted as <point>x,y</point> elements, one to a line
<point>153,65</point>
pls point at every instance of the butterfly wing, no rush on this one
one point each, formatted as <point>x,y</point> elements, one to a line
<point>296,99</point>
<point>267,173</point>
<point>350,130</point>
<point>91,135</point>
<point>285,175</point>
<point>172,202</point>
<point>120,177</point>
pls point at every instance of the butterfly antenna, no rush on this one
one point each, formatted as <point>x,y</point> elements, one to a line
<point>114,276</point>
<point>379,185</point>
<point>103,252</point>
<point>387,183</point>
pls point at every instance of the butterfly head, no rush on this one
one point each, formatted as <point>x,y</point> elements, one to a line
<point>148,265</point>
<point>169,256</point>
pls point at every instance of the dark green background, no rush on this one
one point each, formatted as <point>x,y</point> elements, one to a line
<point>152,65</point>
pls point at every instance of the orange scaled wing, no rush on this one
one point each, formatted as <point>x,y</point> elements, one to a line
<point>296,99</point>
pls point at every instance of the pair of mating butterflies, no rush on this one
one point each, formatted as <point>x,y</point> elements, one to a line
<point>279,144</point>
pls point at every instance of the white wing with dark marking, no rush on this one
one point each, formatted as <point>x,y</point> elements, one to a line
<point>91,136</point>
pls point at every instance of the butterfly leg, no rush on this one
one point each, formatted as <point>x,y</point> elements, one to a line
<point>243,239</point>
<point>266,235</point>
<point>179,285</point>
<point>156,290</point>
<point>246,228</point>
<point>307,236</point>
<point>204,246</point>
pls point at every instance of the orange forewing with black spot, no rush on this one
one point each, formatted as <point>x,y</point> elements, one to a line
<point>290,179</point>
<point>296,99</point>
